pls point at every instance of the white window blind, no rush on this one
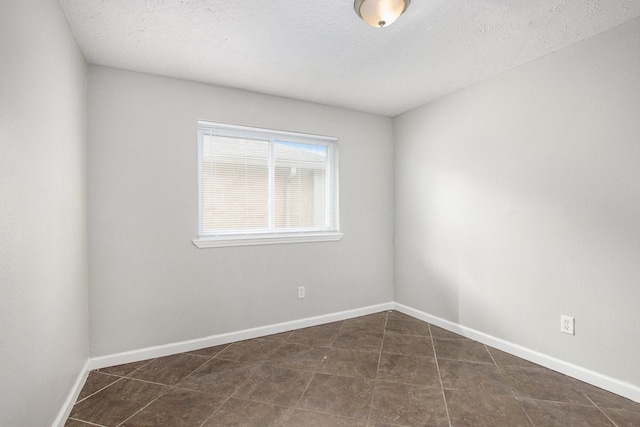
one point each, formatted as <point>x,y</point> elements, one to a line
<point>264,186</point>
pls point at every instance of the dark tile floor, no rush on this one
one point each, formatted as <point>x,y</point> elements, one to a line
<point>385,369</point>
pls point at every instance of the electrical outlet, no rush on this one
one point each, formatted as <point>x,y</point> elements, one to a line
<point>567,325</point>
<point>301,292</point>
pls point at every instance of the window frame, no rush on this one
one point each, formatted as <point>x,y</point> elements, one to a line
<point>271,236</point>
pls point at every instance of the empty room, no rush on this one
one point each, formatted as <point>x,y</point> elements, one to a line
<point>319,213</point>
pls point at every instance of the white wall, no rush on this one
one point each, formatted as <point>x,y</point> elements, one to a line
<point>43,222</point>
<point>149,285</point>
<point>518,200</point>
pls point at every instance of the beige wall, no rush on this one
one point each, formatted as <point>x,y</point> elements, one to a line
<point>43,231</point>
<point>518,200</point>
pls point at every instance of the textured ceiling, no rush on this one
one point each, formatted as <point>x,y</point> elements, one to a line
<point>321,51</point>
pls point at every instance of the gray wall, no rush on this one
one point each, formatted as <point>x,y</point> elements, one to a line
<point>43,221</point>
<point>150,285</point>
<point>518,200</point>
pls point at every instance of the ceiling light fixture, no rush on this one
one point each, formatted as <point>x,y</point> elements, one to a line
<point>380,13</point>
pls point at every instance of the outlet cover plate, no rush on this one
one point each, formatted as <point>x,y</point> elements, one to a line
<point>567,325</point>
<point>301,292</point>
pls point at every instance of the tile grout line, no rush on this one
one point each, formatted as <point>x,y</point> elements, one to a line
<point>280,344</point>
<point>263,364</point>
<point>525,413</point>
<point>560,402</point>
<point>140,367</point>
<point>513,392</point>
<point>209,359</point>
<point>120,377</point>
<point>171,387</point>
<point>215,412</point>
<point>141,409</point>
<point>435,355</point>
<point>315,372</point>
<point>600,409</point>
<point>386,319</point>
<point>131,379</point>
<point>86,422</point>
<point>98,391</point>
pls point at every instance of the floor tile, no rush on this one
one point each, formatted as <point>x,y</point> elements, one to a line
<point>322,335</point>
<point>478,377</point>
<point>623,418</point>
<point>277,337</point>
<point>123,370</point>
<point>297,356</point>
<point>378,370</point>
<point>397,315</point>
<point>96,381</point>
<point>373,323</point>
<point>346,396</point>
<point>169,370</point>
<point>606,399</point>
<point>249,351</point>
<point>177,408</point>
<point>209,351</point>
<point>358,340</point>
<point>75,423</point>
<point>406,325</point>
<point>408,369</point>
<point>221,377</point>
<point>472,409</point>
<point>316,419</point>
<point>408,405</point>
<point>552,414</point>
<point>464,350</point>
<point>117,402</point>
<point>275,385</point>
<point>237,412</point>
<point>440,333</point>
<point>351,363</point>
<point>505,359</point>
<point>325,327</point>
<point>408,345</point>
<point>544,384</point>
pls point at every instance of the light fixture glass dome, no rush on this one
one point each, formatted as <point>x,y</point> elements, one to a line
<point>380,13</point>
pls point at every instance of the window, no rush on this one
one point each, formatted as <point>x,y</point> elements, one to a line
<point>260,186</point>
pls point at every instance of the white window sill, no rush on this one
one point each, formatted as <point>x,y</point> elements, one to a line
<point>273,239</point>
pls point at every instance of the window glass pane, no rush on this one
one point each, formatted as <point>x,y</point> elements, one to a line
<point>235,184</point>
<point>266,184</point>
<point>300,186</point>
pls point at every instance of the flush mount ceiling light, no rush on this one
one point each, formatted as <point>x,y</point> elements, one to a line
<point>380,13</point>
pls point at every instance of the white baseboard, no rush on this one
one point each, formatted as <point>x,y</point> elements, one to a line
<point>197,344</point>
<point>599,380</point>
<point>61,419</point>
<point>613,385</point>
